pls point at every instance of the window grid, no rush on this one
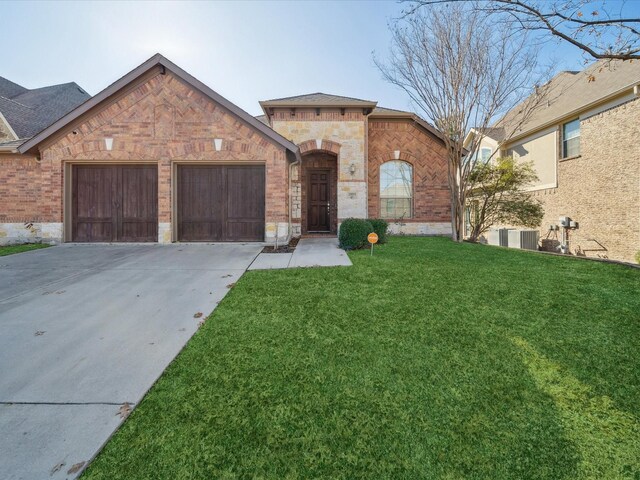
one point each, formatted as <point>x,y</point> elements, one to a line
<point>571,139</point>
<point>396,190</point>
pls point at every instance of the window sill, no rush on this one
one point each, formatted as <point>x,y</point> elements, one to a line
<point>569,158</point>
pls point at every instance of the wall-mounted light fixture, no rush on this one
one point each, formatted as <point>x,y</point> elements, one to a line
<point>108,143</point>
<point>352,169</point>
<point>217,143</point>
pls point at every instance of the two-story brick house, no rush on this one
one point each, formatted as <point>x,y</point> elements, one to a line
<point>584,143</point>
<point>160,157</point>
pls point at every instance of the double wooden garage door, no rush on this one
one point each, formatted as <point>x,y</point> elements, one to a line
<point>214,203</point>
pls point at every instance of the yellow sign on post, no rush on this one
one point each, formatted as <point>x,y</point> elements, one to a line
<point>373,239</point>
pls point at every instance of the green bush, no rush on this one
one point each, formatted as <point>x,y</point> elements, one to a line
<point>353,233</point>
<point>638,257</point>
<point>380,226</point>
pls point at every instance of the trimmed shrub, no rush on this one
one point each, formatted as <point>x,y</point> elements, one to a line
<point>353,233</point>
<point>380,226</point>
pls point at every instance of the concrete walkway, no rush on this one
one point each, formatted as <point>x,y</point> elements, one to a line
<point>310,252</point>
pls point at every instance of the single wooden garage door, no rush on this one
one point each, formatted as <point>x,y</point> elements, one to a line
<point>115,203</point>
<point>220,203</point>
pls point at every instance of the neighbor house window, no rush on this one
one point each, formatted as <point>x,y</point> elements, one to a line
<point>571,139</point>
<point>485,154</point>
<point>396,190</point>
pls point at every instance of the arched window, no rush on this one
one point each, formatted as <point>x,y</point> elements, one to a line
<point>396,190</point>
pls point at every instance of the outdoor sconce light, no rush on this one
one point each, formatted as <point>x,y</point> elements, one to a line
<point>108,143</point>
<point>352,169</point>
<point>217,143</point>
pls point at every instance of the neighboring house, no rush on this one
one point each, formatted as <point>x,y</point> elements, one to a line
<point>583,143</point>
<point>25,112</point>
<point>158,156</point>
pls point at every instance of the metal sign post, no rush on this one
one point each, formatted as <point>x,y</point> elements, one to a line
<point>373,239</point>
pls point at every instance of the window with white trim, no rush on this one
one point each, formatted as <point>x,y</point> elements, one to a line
<point>396,189</point>
<point>485,154</point>
<point>571,138</point>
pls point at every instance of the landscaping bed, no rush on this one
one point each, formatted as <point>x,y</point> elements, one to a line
<point>288,248</point>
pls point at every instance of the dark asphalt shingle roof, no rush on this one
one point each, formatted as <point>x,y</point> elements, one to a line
<point>9,89</point>
<point>31,111</point>
<point>318,98</point>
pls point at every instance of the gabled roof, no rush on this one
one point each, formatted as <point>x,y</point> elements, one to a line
<point>263,119</point>
<point>11,145</point>
<point>382,112</point>
<point>570,93</point>
<point>318,100</point>
<point>9,89</point>
<point>156,61</point>
<point>30,111</point>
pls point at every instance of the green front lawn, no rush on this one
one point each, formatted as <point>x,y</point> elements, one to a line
<point>429,360</point>
<point>11,249</point>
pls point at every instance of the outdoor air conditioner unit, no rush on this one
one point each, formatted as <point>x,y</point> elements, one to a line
<point>524,239</point>
<point>498,236</point>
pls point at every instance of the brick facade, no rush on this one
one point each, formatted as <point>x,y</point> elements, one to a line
<point>403,139</point>
<point>160,120</point>
<point>159,117</point>
<point>600,189</point>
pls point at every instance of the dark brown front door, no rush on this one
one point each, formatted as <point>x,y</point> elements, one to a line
<point>318,199</point>
<point>115,203</point>
<point>221,203</point>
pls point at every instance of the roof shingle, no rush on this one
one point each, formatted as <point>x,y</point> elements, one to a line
<point>319,99</point>
<point>570,92</point>
<point>31,111</point>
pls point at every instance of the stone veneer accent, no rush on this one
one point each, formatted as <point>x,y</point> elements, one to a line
<point>600,189</point>
<point>329,131</point>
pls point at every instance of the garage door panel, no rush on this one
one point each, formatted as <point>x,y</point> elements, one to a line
<point>115,203</point>
<point>239,231</point>
<point>94,193</point>
<point>139,210</point>
<point>94,231</point>
<point>220,203</point>
<point>201,231</point>
<point>245,193</point>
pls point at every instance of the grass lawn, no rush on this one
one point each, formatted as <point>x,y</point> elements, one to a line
<point>11,249</point>
<point>430,360</point>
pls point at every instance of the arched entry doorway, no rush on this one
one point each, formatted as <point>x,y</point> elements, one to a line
<point>319,205</point>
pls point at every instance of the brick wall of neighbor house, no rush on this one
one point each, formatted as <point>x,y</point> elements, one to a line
<point>330,131</point>
<point>161,119</point>
<point>403,139</point>
<point>601,188</point>
<point>22,218</point>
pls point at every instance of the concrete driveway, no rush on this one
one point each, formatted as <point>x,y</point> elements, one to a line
<point>87,328</point>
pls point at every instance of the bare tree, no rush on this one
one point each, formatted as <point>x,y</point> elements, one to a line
<point>463,72</point>
<point>598,28</point>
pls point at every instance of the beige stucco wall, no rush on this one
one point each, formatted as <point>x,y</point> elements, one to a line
<point>542,150</point>
<point>351,135</point>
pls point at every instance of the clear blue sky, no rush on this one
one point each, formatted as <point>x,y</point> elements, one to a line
<point>246,51</point>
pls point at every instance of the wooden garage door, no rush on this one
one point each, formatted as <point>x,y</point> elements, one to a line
<point>115,203</point>
<point>220,203</point>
